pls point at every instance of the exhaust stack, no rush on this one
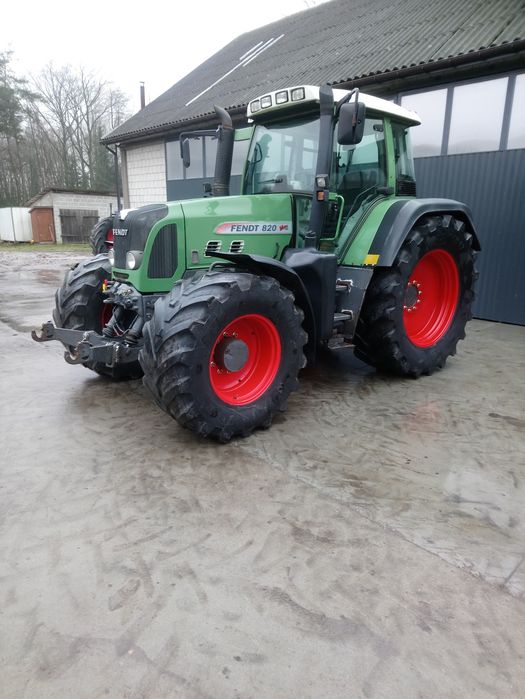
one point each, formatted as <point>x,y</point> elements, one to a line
<point>223,161</point>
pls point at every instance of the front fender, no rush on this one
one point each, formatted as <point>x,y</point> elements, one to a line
<point>287,277</point>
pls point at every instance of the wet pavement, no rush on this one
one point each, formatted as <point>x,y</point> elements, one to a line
<point>370,544</point>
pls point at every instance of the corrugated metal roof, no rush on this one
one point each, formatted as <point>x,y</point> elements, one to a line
<point>336,42</point>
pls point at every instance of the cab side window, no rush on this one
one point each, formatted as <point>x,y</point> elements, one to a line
<point>362,167</point>
<point>405,177</point>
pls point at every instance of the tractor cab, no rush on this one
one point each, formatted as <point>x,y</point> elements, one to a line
<point>286,147</point>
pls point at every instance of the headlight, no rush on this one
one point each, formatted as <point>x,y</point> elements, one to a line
<point>111,257</point>
<point>134,259</point>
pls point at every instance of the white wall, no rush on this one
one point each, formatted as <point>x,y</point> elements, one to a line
<point>71,200</point>
<point>15,225</point>
<point>146,174</point>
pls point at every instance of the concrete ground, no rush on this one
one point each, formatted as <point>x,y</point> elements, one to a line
<point>370,544</point>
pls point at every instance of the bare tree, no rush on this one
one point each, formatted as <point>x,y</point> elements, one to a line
<point>50,135</point>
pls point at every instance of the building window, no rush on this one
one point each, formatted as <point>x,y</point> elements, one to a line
<point>517,117</point>
<point>173,161</point>
<point>202,158</point>
<point>477,116</point>
<point>210,152</point>
<point>196,168</point>
<point>240,152</point>
<point>430,106</point>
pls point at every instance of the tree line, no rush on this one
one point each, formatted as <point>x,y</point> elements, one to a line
<point>50,131</point>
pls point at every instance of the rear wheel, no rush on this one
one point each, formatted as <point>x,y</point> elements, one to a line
<point>79,305</point>
<point>415,312</point>
<point>101,236</point>
<point>222,353</point>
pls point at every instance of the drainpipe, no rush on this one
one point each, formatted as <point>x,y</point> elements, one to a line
<point>114,153</point>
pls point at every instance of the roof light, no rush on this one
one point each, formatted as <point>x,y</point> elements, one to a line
<point>266,101</point>
<point>255,106</point>
<point>297,94</point>
<point>281,97</point>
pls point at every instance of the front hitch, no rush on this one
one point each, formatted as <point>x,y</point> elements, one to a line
<point>84,346</point>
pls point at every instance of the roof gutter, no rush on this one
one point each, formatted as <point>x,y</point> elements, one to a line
<point>480,56</point>
<point>209,119</point>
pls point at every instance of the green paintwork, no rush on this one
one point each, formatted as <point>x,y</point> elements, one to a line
<point>139,277</point>
<point>203,216</point>
<point>196,221</point>
<point>367,227</point>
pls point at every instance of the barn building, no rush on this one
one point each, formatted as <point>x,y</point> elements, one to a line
<point>461,66</point>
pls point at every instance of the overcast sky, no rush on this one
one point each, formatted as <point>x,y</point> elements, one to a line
<point>128,42</point>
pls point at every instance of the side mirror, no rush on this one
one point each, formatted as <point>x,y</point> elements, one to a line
<point>351,123</point>
<point>185,151</point>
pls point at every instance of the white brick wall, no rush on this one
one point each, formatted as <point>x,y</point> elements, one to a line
<point>146,174</point>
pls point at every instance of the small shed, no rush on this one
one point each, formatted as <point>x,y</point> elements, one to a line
<point>68,215</point>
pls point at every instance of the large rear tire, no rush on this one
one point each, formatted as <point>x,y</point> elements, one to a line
<point>79,305</point>
<point>222,353</point>
<point>101,236</point>
<point>415,312</point>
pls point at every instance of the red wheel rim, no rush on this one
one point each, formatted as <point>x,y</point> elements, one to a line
<point>431,298</point>
<point>260,340</point>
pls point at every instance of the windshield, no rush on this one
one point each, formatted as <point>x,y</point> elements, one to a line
<point>282,157</point>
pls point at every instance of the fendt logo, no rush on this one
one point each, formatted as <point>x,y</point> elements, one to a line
<point>120,231</point>
<point>235,227</point>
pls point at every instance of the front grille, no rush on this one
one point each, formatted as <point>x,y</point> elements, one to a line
<point>132,232</point>
<point>163,258</point>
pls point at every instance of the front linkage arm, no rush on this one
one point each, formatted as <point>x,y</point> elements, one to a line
<point>83,346</point>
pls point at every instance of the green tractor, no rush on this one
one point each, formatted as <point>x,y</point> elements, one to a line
<point>220,301</point>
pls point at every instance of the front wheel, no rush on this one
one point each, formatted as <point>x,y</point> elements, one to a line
<point>415,312</point>
<point>222,353</point>
<point>79,305</point>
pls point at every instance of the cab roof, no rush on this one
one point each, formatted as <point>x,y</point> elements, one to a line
<point>280,100</point>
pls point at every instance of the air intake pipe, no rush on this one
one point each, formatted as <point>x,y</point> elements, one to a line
<point>223,160</point>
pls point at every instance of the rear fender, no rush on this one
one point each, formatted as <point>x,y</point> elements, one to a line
<point>403,215</point>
